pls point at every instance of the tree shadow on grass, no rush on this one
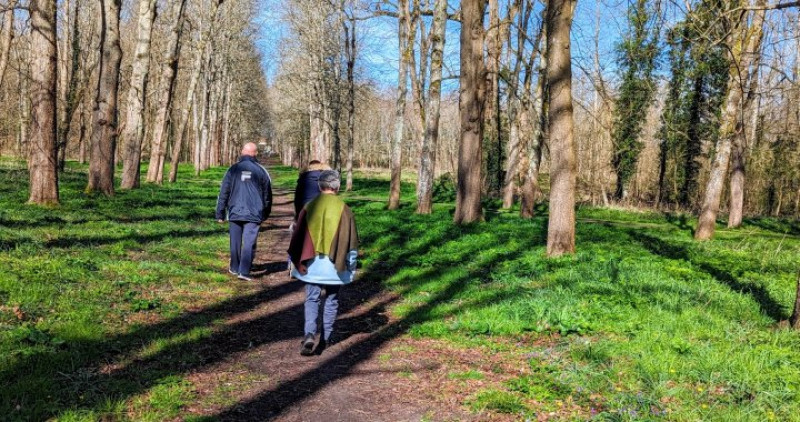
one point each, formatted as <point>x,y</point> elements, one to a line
<point>769,306</point>
<point>34,386</point>
<point>780,226</point>
<point>681,221</point>
<point>274,402</point>
<point>84,375</point>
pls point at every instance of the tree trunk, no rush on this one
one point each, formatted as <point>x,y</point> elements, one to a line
<point>104,122</point>
<point>134,126</point>
<point>350,50</point>
<point>24,94</point>
<point>82,135</point>
<point>42,164</point>
<point>738,158</point>
<point>471,107</point>
<point>402,90</point>
<point>6,37</point>
<point>430,141</point>
<point>531,192</point>
<point>169,69</point>
<point>73,92</point>
<point>731,126</point>
<point>494,50</point>
<point>514,115</point>
<point>794,321</point>
<point>561,226</point>
<point>512,154</point>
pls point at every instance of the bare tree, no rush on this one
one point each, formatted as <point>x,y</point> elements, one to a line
<point>561,225</point>
<point>738,39</point>
<point>536,111</point>
<point>104,121</point>
<point>6,37</point>
<point>471,106</point>
<point>427,162</point>
<point>134,126</point>
<point>72,81</point>
<point>169,69</point>
<point>350,55</point>
<point>43,160</point>
<point>749,78</point>
<point>400,106</point>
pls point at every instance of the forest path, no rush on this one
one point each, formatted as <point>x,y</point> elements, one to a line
<point>370,373</point>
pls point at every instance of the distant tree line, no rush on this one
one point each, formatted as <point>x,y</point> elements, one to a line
<point>699,114</point>
<point>118,83</point>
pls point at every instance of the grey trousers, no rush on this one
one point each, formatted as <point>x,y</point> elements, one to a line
<point>243,245</point>
<point>313,292</point>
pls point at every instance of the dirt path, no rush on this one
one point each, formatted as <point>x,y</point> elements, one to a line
<point>370,373</point>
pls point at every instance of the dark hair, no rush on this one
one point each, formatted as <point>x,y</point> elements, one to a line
<point>314,162</point>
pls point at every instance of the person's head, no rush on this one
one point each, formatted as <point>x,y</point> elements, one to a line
<point>250,149</point>
<point>329,181</point>
<point>316,165</point>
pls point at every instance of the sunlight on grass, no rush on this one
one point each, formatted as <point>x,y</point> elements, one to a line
<point>642,323</point>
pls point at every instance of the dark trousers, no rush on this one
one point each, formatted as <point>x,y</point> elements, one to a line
<point>243,245</point>
<point>313,292</point>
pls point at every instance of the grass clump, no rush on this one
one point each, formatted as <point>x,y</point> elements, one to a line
<point>498,401</point>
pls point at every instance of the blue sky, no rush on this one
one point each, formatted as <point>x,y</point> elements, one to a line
<point>378,37</point>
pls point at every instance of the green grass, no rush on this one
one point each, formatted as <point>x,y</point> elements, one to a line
<point>655,323</point>
<point>642,323</point>
<point>100,278</point>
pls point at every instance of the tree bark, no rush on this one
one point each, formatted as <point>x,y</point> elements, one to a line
<point>531,192</point>
<point>471,104</point>
<point>731,125</point>
<point>561,225</point>
<point>169,69</point>
<point>494,48</point>
<point>43,160</point>
<point>73,88</point>
<point>6,37</point>
<point>134,126</point>
<point>400,106</point>
<point>739,148</point>
<point>794,321</point>
<point>350,52</point>
<point>104,122</point>
<point>514,147</point>
<point>430,140</point>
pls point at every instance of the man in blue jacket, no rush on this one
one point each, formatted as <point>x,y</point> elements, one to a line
<point>246,198</point>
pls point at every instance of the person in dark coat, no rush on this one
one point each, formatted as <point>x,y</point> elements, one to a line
<point>307,185</point>
<point>245,200</point>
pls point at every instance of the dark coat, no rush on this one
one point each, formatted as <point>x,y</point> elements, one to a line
<point>246,192</point>
<point>307,189</point>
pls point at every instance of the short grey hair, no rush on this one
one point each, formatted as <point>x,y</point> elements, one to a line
<point>329,180</point>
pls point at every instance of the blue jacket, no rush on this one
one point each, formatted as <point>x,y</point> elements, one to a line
<point>307,189</point>
<point>246,192</point>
